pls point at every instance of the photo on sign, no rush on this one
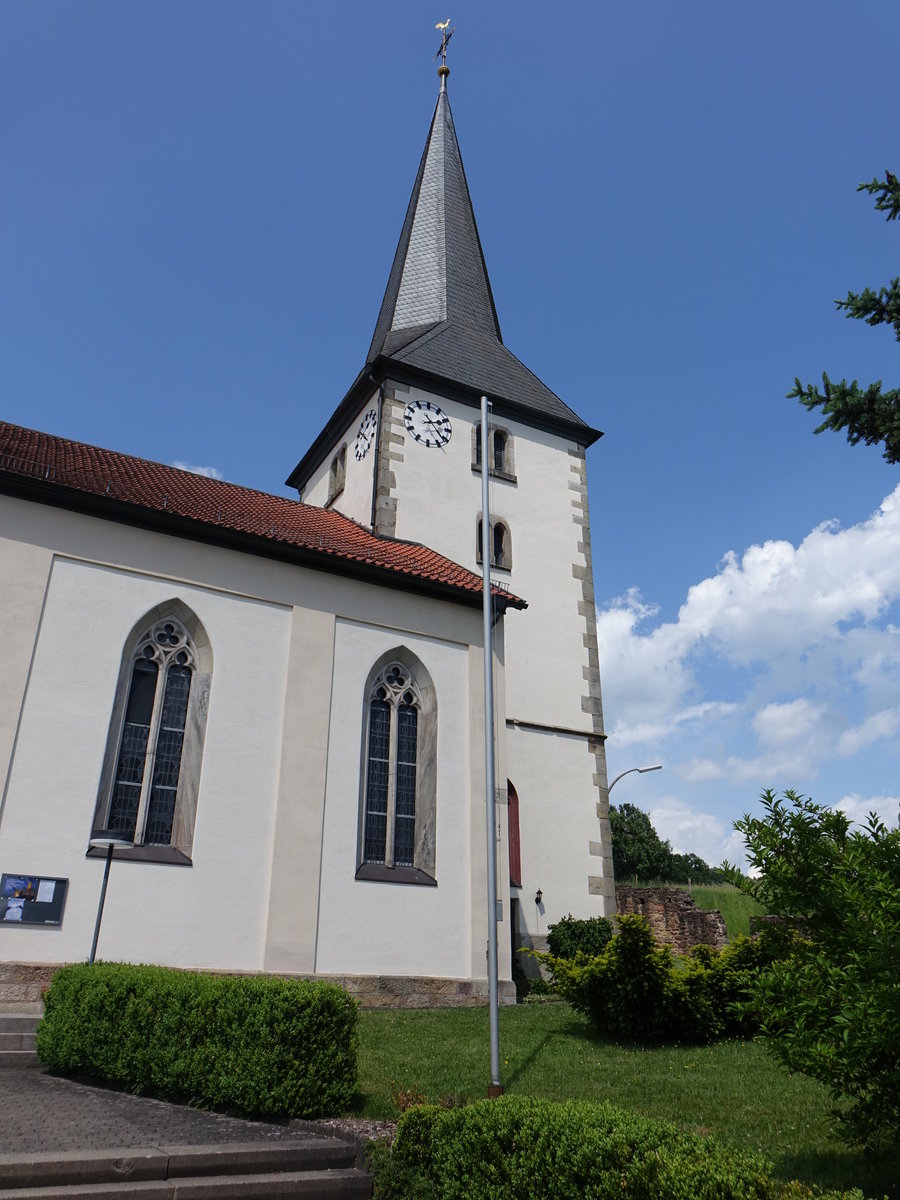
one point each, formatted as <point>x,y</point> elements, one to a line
<point>19,887</point>
<point>12,909</point>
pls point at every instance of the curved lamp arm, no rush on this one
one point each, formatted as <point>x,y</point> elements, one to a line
<point>630,771</point>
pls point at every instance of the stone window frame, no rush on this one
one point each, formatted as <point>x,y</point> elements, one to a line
<point>502,561</point>
<point>337,474</point>
<point>180,848</point>
<point>495,433</point>
<point>422,871</point>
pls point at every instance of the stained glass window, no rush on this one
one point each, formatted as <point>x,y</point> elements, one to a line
<point>389,829</point>
<point>145,787</point>
<point>377,780</point>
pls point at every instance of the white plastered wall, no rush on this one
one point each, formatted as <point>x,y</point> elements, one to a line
<point>556,825</point>
<point>250,900</point>
<point>372,927</point>
<point>438,502</point>
<point>355,501</point>
<point>217,906</point>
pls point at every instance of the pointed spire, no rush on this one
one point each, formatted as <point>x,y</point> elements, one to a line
<point>438,313</point>
<point>439,273</point>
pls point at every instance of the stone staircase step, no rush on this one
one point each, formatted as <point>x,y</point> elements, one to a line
<point>16,1041</point>
<point>314,1166</point>
<point>18,1007</point>
<point>19,1022</point>
<point>18,1060</point>
<point>340,1184</point>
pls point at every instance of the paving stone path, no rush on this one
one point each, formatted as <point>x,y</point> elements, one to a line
<point>42,1112</point>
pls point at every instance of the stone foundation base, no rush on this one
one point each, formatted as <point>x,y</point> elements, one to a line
<point>26,982</point>
<point>403,991</point>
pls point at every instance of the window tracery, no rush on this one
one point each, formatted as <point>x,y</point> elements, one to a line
<point>398,779</point>
<point>150,776</point>
<point>142,805</point>
<point>390,816</point>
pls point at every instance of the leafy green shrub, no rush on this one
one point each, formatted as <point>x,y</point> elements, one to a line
<point>640,991</point>
<point>259,1045</point>
<point>831,1008</point>
<point>519,1147</point>
<point>569,936</point>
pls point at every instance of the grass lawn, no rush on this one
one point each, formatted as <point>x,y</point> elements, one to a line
<point>733,1089</point>
<point>734,906</point>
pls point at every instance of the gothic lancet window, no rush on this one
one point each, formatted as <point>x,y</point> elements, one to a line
<point>149,782</point>
<point>398,777</point>
<point>142,806</point>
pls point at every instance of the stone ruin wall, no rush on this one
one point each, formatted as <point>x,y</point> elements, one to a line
<point>674,918</point>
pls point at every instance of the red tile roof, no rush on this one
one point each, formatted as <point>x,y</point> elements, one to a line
<point>271,521</point>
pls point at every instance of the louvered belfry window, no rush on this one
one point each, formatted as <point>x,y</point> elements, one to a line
<point>389,834</point>
<point>145,786</point>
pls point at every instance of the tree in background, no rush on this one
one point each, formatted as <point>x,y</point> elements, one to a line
<point>638,850</point>
<point>869,415</point>
<point>690,868</point>
<point>831,1008</point>
<point>640,853</point>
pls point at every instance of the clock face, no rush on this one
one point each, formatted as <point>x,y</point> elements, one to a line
<point>427,423</point>
<point>365,435</point>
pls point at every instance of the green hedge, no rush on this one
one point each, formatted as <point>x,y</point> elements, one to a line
<point>572,935</point>
<point>638,990</point>
<point>516,1148</point>
<point>255,1044</point>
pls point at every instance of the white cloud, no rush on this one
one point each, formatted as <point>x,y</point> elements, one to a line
<point>209,472</point>
<point>884,724</point>
<point>775,638</point>
<point>784,724</point>
<point>781,669</point>
<point>692,832</point>
<point>858,807</point>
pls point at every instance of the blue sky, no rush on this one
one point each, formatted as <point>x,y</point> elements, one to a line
<point>199,208</point>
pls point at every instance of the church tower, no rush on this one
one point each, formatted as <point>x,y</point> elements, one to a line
<point>402,455</point>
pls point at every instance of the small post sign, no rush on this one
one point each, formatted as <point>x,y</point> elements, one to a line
<point>31,899</point>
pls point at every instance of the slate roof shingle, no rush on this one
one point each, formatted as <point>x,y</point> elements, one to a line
<point>439,282</point>
<point>324,536</point>
<point>437,325</point>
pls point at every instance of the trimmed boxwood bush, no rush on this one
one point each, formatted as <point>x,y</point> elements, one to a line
<point>516,1148</point>
<point>260,1045</point>
<point>573,935</point>
<point>638,990</point>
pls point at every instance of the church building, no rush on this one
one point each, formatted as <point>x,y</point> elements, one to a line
<point>276,705</point>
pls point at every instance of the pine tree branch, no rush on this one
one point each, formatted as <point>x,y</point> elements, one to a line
<point>875,308</point>
<point>887,193</point>
<point>869,416</point>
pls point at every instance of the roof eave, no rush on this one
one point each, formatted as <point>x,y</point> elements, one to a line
<point>384,367</point>
<point>111,509</point>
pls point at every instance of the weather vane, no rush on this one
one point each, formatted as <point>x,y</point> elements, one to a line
<point>444,26</point>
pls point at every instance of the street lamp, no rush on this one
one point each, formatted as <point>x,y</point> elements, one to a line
<point>630,771</point>
<point>104,841</point>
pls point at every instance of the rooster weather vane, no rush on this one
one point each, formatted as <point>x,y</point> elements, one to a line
<point>444,26</point>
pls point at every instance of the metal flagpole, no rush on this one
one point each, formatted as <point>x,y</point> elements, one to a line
<point>496,1088</point>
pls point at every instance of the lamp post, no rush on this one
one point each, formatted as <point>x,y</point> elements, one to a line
<point>108,842</point>
<point>630,771</point>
